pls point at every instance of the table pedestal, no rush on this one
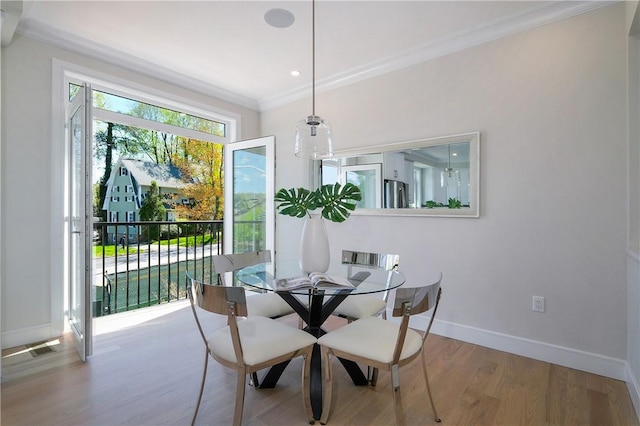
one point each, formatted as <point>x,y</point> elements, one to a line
<point>314,316</point>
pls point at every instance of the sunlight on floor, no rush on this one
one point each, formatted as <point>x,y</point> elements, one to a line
<point>124,320</point>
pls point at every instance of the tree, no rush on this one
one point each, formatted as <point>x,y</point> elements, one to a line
<point>152,208</point>
<point>202,167</point>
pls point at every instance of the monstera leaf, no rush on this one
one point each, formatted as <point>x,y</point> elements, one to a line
<point>337,202</point>
<point>296,202</point>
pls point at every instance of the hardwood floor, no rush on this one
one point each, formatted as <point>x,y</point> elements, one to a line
<point>146,370</point>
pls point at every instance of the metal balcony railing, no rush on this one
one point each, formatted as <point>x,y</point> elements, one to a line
<point>139,264</point>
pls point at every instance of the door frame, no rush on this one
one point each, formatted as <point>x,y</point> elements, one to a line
<point>269,143</point>
<point>61,71</point>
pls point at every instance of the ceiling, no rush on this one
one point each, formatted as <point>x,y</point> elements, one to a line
<point>226,49</point>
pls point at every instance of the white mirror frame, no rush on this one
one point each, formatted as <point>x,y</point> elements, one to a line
<point>473,211</point>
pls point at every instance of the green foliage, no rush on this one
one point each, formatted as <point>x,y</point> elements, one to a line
<point>454,203</point>
<point>432,204</point>
<point>152,208</point>
<point>336,201</point>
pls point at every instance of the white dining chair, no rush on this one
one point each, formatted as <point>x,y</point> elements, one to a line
<point>383,344</point>
<point>268,305</point>
<point>362,306</point>
<point>247,344</point>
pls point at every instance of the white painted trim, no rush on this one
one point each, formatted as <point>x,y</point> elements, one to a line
<point>123,87</point>
<point>555,354</point>
<point>633,387</point>
<point>269,143</point>
<point>49,35</point>
<point>545,14</point>
<point>57,212</point>
<point>23,336</point>
<point>59,155</point>
<point>505,27</point>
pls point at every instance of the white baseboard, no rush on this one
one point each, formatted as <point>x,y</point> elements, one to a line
<point>560,355</point>
<point>24,336</point>
<point>633,387</point>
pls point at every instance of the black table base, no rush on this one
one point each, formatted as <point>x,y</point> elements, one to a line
<point>314,316</point>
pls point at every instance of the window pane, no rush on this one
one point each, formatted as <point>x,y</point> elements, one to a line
<point>119,104</point>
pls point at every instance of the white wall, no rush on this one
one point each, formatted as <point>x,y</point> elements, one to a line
<point>633,260</point>
<point>26,271</point>
<point>550,104</point>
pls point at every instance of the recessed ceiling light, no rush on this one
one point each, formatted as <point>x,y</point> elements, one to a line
<point>295,73</point>
<point>279,18</point>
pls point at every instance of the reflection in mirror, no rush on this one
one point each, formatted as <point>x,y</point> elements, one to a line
<point>430,177</point>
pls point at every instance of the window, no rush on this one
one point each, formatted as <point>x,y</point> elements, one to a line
<point>131,107</point>
<point>129,188</point>
<point>131,216</point>
<point>115,189</point>
<point>124,171</point>
<point>66,77</point>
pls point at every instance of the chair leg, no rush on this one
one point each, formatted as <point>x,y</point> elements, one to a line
<point>237,414</point>
<point>426,379</point>
<point>306,391</point>
<point>327,385</point>
<point>253,380</point>
<point>372,375</point>
<point>397,396</point>
<point>204,377</point>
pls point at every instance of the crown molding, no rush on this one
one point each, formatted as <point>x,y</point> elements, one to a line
<point>545,14</point>
<point>10,14</point>
<point>47,34</point>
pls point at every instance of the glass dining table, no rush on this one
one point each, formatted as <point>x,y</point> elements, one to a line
<point>315,306</point>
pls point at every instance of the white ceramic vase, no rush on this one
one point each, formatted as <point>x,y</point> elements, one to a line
<point>314,246</point>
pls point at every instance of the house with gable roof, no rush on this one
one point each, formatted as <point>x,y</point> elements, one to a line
<point>128,186</point>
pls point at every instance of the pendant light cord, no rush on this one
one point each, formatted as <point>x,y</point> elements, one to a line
<point>313,58</point>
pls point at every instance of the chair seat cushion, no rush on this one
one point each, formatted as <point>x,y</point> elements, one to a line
<point>372,338</point>
<point>360,306</point>
<point>262,339</point>
<point>268,305</point>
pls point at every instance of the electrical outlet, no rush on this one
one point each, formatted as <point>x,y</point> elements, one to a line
<point>538,304</point>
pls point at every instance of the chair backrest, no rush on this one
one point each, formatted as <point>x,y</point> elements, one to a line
<point>388,262</point>
<point>385,261</point>
<point>224,263</point>
<point>417,299</point>
<point>412,301</point>
<point>229,301</point>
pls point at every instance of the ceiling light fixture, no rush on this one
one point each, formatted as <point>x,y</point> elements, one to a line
<point>450,177</point>
<point>313,134</point>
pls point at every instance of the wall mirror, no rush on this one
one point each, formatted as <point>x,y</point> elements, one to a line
<point>426,177</point>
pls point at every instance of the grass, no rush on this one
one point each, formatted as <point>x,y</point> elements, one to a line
<point>110,250</point>
<point>189,241</point>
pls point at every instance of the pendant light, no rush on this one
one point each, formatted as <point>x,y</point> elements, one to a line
<point>449,176</point>
<point>313,134</point>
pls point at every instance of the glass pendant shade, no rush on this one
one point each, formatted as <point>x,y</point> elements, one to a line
<point>450,178</point>
<point>313,138</point>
